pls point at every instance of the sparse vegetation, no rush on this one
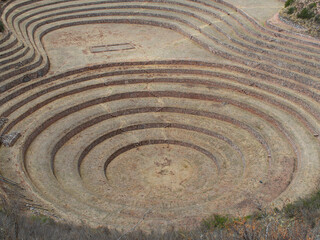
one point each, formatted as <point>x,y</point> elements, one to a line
<point>307,209</point>
<point>305,14</point>
<point>298,220</point>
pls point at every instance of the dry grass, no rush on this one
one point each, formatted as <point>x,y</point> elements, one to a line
<point>298,220</point>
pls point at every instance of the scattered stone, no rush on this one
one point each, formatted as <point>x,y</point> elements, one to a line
<point>2,89</point>
<point>3,121</point>
<point>10,139</point>
<point>40,73</point>
<point>26,78</point>
<point>18,65</point>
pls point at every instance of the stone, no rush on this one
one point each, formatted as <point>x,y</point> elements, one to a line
<point>26,78</point>
<point>3,121</point>
<point>10,139</point>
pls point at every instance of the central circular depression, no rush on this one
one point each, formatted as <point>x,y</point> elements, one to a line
<point>161,172</point>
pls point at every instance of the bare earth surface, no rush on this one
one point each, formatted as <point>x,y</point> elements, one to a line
<point>157,113</point>
<point>71,47</point>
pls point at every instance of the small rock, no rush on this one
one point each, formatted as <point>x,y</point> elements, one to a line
<point>10,139</point>
<point>26,78</point>
<point>3,121</point>
<point>2,89</point>
<point>18,65</point>
<point>40,73</point>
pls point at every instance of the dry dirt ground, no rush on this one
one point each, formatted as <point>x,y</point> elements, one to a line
<point>157,113</point>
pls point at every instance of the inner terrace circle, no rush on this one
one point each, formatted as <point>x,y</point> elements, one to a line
<point>156,171</point>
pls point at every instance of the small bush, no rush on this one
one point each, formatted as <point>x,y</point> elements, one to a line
<point>1,27</point>
<point>215,221</point>
<point>305,14</point>
<point>291,10</point>
<point>312,5</point>
<point>288,3</point>
<point>317,19</point>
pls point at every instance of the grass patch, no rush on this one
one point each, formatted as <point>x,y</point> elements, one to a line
<point>288,3</point>
<point>305,14</point>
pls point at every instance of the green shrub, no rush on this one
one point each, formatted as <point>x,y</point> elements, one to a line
<point>288,3</point>
<point>291,10</point>
<point>1,27</point>
<point>312,5</point>
<point>317,19</point>
<point>305,14</point>
<point>215,221</point>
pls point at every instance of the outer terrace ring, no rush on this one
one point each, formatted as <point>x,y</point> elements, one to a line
<point>152,95</point>
<point>126,82</point>
<point>45,126</point>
